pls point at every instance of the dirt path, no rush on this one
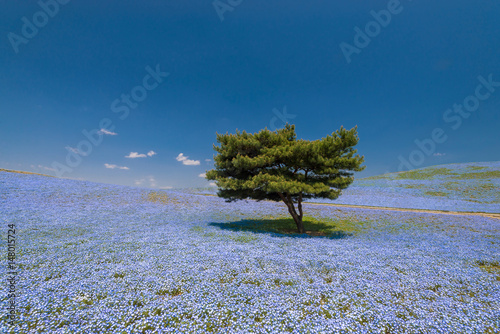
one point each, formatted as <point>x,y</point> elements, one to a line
<point>441,212</point>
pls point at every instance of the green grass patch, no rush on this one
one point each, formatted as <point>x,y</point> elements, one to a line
<point>476,167</point>
<point>236,238</point>
<point>378,177</point>
<point>415,186</point>
<point>436,193</point>
<point>479,190</point>
<point>425,174</point>
<point>197,229</point>
<point>454,186</point>
<point>487,187</point>
<point>324,227</point>
<point>280,282</point>
<point>119,275</point>
<point>170,292</point>
<point>22,172</point>
<point>492,267</point>
<point>493,174</point>
<point>161,197</point>
<point>243,238</point>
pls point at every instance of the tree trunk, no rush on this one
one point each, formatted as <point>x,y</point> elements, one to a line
<point>291,209</point>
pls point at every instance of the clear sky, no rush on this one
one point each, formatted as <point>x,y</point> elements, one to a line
<point>162,77</point>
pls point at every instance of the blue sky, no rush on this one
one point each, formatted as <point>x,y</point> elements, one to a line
<point>243,65</point>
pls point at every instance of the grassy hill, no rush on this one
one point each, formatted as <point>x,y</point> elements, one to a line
<point>22,172</point>
<point>462,187</point>
<point>456,187</point>
<point>101,258</point>
<point>473,187</point>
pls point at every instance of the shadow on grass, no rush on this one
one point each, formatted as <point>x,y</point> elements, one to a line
<point>283,227</point>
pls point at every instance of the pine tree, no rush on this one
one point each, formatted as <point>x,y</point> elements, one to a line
<point>276,166</point>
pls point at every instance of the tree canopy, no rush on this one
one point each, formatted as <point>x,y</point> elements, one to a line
<point>276,166</point>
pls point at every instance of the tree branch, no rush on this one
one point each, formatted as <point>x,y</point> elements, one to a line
<point>284,199</point>
<point>291,203</point>
<point>300,205</point>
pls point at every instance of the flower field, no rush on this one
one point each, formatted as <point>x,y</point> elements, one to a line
<point>97,258</point>
<point>472,187</point>
<point>457,187</point>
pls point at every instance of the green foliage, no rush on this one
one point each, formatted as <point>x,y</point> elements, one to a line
<point>276,166</point>
<point>264,164</point>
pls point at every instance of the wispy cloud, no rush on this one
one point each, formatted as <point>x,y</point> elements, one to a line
<point>202,175</point>
<point>46,168</point>
<point>42,167</point>
<point>185,161</point>
<point>111,166</point>
<point>439,154</point>
<point>107,132</point>
<point>134,155</point>
<point>208,160</point>
<point>75,150</point>
<point>152,182</point>
<point>149,181</point>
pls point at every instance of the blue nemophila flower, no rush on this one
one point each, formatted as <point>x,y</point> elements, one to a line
<point>98,258</point>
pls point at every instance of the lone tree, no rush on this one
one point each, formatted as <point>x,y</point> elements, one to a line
<point>276,166</point>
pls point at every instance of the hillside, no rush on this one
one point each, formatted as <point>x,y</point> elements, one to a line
<point>463,187</point>
<point>471,187</point>
<point>101,258</point>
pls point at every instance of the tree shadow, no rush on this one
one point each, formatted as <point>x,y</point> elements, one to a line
<point>284,227</point>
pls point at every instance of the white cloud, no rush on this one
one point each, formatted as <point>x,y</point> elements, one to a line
<point>191,162</point>
<point>107,132</point>
<point>181,157</point>
<point>439,154</point>
<point>111,166</point>
<point>212,184</point>
<point>133,155</point>
<point>202,175</point>
<point>208,160</point>
<point>186,161</point>
<point>166,187</point>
